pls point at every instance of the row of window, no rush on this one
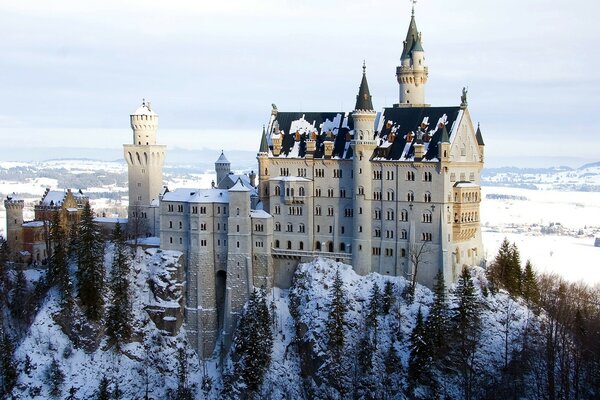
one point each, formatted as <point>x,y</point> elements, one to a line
<point>462,177</point>
<point>202,209</point>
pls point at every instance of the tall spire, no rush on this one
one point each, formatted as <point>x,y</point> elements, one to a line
<point>363,99</point>
<point>412,36</point>
<point>264,146</point>
<point>479,136</point>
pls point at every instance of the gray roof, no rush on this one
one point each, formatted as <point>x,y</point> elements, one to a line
<point>479,137</point>
<point>264,146</point>
<point>222,159</point>
<point>411,37</point>
<point>363,99</point>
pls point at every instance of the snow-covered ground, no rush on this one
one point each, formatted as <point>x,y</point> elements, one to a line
<point>575,220</point>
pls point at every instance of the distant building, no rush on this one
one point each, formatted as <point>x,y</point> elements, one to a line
<point>28,240</point>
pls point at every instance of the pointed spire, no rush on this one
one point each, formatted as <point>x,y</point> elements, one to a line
<point>363,100</point>
<point>412,36</point>
<point>264,146</point>
<point>479,137</point>
<point>445,137</point>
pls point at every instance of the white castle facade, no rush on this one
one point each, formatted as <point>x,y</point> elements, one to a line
<point>394,192</point>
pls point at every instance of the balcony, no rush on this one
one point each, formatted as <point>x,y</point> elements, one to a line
<point>310,254</point>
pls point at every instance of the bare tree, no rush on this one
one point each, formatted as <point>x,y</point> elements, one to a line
<point>137,225</point>
<point>418,256</point>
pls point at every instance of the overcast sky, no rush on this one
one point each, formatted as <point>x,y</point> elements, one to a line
<point>71,72</point>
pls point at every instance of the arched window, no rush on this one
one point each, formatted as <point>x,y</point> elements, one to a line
<point>277,244</point>
<point>410,196</point>
<point>330,247</point>
<point>301,191</point>
<point>277,191</point>
<point>403,234</point>
<point>289,245</point>
<point>342,247</point>
<point>427,197</point>
<point>301,246</point>
<point>403,215</point>
<point>318,246</point>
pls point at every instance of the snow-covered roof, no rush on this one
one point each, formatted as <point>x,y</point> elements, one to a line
<point>466,185</point>
<point>239,187</point>
<point>53,198</point>
<point>33,224</point>
<point>222,159</point>
<point>144,109</point>
<point>396,130</point>
<point>109,220</point>
<point>188,195</point>
<point>259,214</point>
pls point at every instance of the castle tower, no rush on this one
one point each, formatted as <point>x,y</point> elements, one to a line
<point>263,171</point>
<point>413,72</point>
<point>239,256</point>
<point>14,224</point>
<point>222,167</point>
<point>363,144</point>
<point>145,161</point>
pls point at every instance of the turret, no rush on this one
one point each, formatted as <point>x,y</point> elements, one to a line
<point>412,73</point>
<point>363,145</point>
<point>480,143</point>
<point>144,123</point>
<point>222,167</point>
<point>444,146</point>
<point>14,223</point>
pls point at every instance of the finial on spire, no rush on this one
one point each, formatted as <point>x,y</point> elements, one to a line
<point>413,6</point>
<point>143,101</point>
<point>364,67</point>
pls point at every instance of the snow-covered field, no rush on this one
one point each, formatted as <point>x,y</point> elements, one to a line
<point>569,252</point>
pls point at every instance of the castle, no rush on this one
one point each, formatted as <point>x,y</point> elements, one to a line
<point>28,240</point>
<point>395,192</point>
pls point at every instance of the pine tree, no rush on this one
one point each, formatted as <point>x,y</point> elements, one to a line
<point>513,285</point>
<point>498,267</point>
<point>8,364</point>
<point>56,378</point>
<point>20,294</point>
<point>374,309</point>
<point>183,391</point>
<point>59,265</point>
<point>254,342</point>
<point>3,259</point>
<point>393,368</point>
<point>420,351</point>
<point>388,297</point>
<point>531,292</point>
<point>437,325</point>
<point>103,391</point>
<point>466,328</point>
<point>73,240</point>
<point>119,311</point>
<point>90,255</point>
<point>335,327</point>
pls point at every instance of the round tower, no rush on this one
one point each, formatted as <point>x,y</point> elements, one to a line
<point>363,145</point>
<point>14,223</point>
<point>145,161</point>
<point>144,123</point>
<point>222,167</point>
<point>412,73</point>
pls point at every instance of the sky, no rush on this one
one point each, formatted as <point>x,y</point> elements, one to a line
<point>72,72</point>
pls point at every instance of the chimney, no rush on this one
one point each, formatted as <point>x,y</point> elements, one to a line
<point>276,139</point>
<point>252,177</point>
<point>328,148</point>
<point>419,151</point>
